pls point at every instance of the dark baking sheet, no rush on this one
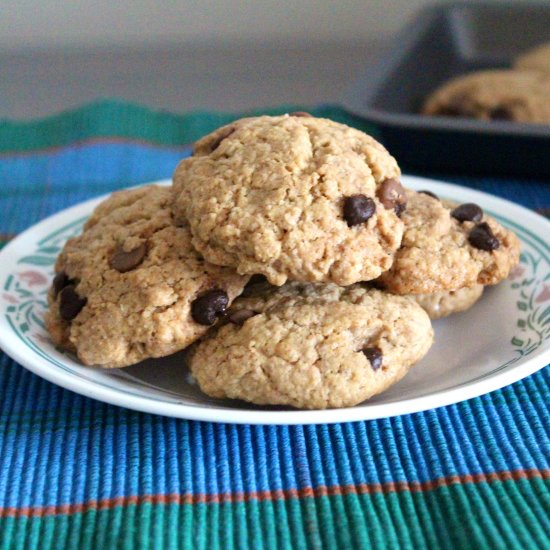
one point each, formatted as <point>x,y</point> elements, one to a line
<point>442,42</point>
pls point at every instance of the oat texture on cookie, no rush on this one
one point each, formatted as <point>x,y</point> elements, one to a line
<point>293,198</point>
<point>447,247</point>
<point>311,346</point>
<point>447,302</point>
<point>125,289</point>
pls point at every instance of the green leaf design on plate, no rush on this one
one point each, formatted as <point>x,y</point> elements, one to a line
<point>533,322</point>
<point>37,260</point>
<point>28,314</point>
<point>517,342</point>
<point>49,250</point>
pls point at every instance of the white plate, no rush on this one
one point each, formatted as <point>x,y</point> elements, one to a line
<point>504,338</point>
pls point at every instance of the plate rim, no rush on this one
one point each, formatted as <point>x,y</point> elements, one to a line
<point>224,414</point>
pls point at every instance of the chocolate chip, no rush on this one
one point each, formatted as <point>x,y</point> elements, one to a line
<point>429,193</point>
<point>70,303</point>
<point>60,281</point>
<point>457,106</point>
<point>358,209</point>
<point>392,195</point>
<point>240,316</point>
<point>124,261</point>
<point>222,134</point>
<point>374,355</point>
<point>455,111</point>
<point>400,208</point>
<point>482,237</point>
<point>501,113</point>
<point>449,111</point>
<point>206,309</point>
<point>467,212</point>
<point>300,113</point>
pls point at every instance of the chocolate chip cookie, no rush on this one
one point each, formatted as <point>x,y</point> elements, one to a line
<point>132,286</point>
<point>447,247</point>
<point>445,303</point>
<point>311,346</point>
<point>513,95</point>
<point>292,197</point>
<point>536,59</point>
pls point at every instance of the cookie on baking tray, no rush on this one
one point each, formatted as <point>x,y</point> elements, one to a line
<point>513,95</point>
<point>535,59</point>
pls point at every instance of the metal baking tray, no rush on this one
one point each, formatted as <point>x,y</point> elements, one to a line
<point>442,42</point>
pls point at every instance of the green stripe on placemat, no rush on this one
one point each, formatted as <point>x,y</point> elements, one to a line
<point>119,119</point>
<point>417,520</point>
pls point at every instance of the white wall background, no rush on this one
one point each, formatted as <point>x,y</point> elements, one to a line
<point>227,55</point>
<point>30,24</point>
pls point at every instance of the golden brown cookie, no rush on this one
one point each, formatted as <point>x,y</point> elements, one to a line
<point>292,197</point>
<point>513,95</point>
<point>445,303</point>
<point>446,248</point>
<point>536,59</point>
<point>132,286</point>
<point>312,346</point>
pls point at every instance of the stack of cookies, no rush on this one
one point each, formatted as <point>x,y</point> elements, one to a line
<point>287,256</point>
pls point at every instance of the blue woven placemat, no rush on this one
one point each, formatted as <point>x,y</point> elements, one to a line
<point>77,473</point>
